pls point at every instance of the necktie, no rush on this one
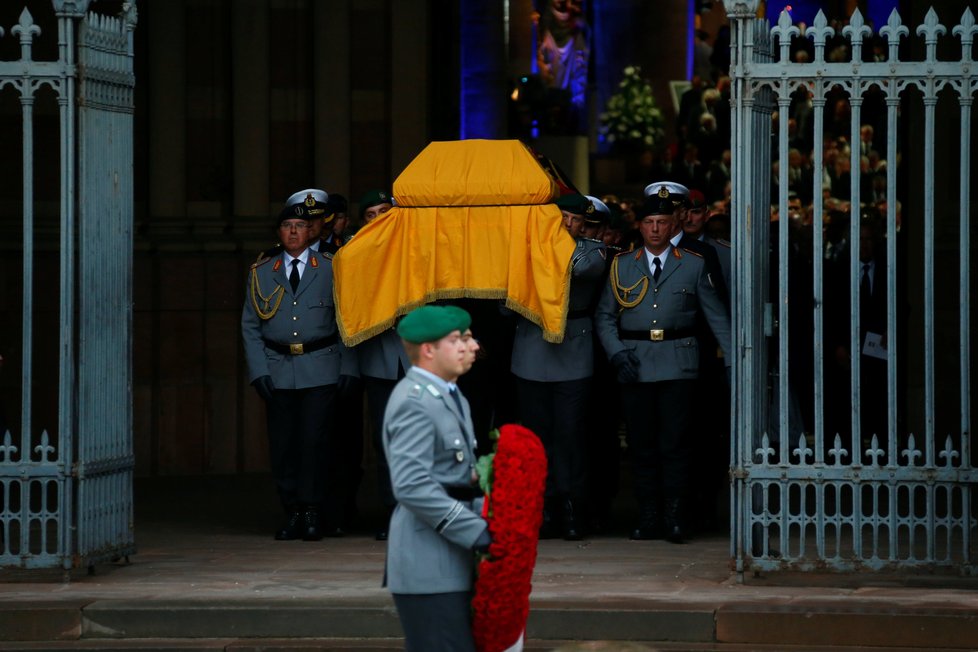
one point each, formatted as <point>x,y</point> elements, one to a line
<point>294,275</point>
<point>458,402</point>
<point>656,269</point>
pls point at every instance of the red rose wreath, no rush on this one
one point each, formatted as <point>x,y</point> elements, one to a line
<point>513,480</point>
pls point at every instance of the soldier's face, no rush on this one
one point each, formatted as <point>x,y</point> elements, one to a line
<point>695,221</point>
<point>340,222</point>
<point>657,230</point>
<point>573,223</point>
<point>374,212</point>
<point>315,229</point>
<point>294,234</point>
<point>593,231</point>
<point>471,349</point>
<point>447,356</point>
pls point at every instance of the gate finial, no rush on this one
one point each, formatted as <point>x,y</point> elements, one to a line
<point>930,30</point>
<point>27,30</point>
<point>820,32</point>
<point>784,31</point>
<point>893,30</point>
<point>856,30</point>
<point>966,30</point>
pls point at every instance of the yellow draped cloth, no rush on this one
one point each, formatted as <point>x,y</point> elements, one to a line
<point>473,219</point>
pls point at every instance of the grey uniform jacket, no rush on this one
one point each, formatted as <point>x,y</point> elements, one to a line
<point>429,446</point>
<point>381,355</point>
<point>304,316</point>
<point>723,253</point>
<point>684,288</point>
<point>536,359</point>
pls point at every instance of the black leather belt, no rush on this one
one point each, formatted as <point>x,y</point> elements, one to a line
<point>467,494</point>
<point>657,334</point>
<point>301,347</point>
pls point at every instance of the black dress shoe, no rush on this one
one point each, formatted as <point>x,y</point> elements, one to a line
<point>645,532</point>
<point>572,527</point>
<point>672,520</point>
<point>310,525</point>
<point>292,529</point>
<point>381,535</point>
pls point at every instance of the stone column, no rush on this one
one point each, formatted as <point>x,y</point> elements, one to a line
<point>409,82</point>
<point>331,96</point>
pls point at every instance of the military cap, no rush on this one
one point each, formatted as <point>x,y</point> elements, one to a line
<point>671,187</point>
<point>431,323</point>
<point>601,215</point>
<point>308,204</point>
<point>576,204</point>
<point>374,197</point>
<point>696,199</point>
<point>336,204</point>
<point>661,203</point>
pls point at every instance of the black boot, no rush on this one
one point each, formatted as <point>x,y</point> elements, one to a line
<point>311,530</point>
<point>548,528</point>
<point>648,525</point>
<point>572,523</point>
<point>673,521</point>
<point>292,528</point>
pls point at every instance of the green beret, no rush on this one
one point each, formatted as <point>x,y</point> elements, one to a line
<point>431,323</point>
<point>576,204</point>
<point>374,197</point>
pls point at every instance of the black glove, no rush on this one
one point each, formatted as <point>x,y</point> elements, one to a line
<point>482,544</point>
<point>626,363</point>
<point>347,385</point>
<point>264,386</point>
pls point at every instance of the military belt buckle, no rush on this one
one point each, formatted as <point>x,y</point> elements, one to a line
<point>296,349</point>
<point>657,335</point>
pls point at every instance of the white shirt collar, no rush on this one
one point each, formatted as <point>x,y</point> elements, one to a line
<point>303,258</point>
<point>649,256</point>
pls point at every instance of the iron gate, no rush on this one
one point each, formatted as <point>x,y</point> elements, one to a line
<point>844,495</point>
<point>66,497</point>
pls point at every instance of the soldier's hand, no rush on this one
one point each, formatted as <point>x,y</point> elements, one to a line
<point>482,544</point>
<point>347,384</point>
<point>626,363</point>
<point>264,386</point>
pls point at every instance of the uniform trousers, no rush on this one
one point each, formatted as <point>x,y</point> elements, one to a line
<point>436,622</point>
<point>657,417</point>
<point>557,413</point>
<point>299,433</point>
<point>378,391</point>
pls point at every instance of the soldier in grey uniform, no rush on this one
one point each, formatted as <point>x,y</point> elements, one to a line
<point>382,362</point>
<point>645,321</point>
<point>295,359</point>
<point>695,225</point>
<point>552,380</point>
<point>430,445</point>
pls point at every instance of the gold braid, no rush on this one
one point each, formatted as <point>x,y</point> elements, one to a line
<point>621,292</point>
<point>256,294</point>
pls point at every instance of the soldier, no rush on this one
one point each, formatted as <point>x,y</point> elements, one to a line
<point>430,442</point>
<point>553,379</point>
<point>295,359</point>
<point>337,219</point>
<point>645,321</point>
<point>382,362</point>
<point>695,226</point>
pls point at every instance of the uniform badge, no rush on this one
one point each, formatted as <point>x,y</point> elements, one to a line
<point>663,192</point>
<point>310,201</point>
<point>459,456</point>
<point>433,391</point>
<point>277,266</point>
<point>313,262</point>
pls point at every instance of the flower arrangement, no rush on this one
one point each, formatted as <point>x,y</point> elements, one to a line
<point>513,480</point>
<point>631,117</point>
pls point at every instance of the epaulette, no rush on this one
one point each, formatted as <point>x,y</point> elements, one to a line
<point>326,254</point>
<point>594,240</point>
<point>690,251</point>
<point>723,243</point>
<point>262,259</point>
<point>415,391</point>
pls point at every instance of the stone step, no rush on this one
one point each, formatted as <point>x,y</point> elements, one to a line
<point>141,624</point>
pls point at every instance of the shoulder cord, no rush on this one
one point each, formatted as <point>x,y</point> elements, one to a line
<point>621,292</point>
<point>256,294</point>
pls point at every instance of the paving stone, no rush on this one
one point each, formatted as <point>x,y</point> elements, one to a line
<point>40,621</point>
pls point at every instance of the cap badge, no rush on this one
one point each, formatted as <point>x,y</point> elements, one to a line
<point>663,192</point>
<point>382,195</point>
<point>310,201</point>
<point>589,209</point>
<point>298,210</point>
